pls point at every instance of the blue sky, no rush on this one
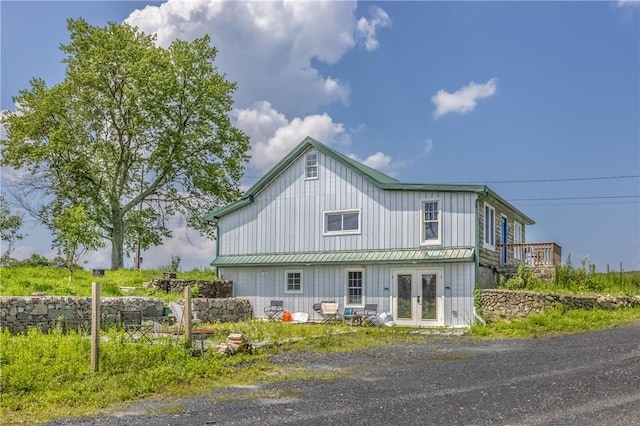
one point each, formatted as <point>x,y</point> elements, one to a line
<point>481,92</point>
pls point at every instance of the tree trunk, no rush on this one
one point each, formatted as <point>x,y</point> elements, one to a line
<point>117,244</point>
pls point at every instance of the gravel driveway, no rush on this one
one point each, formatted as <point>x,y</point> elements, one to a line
<point>582,379</point>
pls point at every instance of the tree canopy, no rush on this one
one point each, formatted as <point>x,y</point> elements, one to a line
<point>135,134</point>
<point>10,225</point>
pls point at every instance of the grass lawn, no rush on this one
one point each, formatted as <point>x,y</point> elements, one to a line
<point>47,376</point>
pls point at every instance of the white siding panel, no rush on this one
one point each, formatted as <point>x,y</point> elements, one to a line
<point>287,216</point>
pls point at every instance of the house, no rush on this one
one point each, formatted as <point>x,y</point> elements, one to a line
<point>321,226</point>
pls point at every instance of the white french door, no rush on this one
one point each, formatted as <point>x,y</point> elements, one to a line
<point>417,297</point>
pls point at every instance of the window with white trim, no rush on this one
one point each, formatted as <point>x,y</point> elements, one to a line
<point>430,222</point>
<point>355,288</point>
<point>342,222</point>
<point>311,168</point>
<point>293,282</point>
<point>517,239</point>
<point>489,227</point>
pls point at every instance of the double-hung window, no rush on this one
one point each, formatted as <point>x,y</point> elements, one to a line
<point>342,222</point>
<point>489,227</point>
<point>355,288</point>
<point>430,222</point>
<point>311,169</point>
<point>293,282</point>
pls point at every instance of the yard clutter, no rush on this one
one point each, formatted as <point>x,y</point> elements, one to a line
<point>235,343</point>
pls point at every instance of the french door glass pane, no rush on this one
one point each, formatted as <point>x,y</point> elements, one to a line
<point>429,297</point>
<point>404,297</point>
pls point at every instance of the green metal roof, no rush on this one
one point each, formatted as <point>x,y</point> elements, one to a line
<point>377,178</point>
<point>455,254</point>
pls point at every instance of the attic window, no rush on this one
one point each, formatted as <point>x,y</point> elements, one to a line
<point>311,165</point>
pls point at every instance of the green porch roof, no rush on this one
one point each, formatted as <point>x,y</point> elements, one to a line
<point>454,254</point>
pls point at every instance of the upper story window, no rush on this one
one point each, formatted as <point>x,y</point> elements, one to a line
<point>342,222</point>
<point>311,169</point>
<point>293,283</point>
<point>430,222</point>
<point>489,227</point>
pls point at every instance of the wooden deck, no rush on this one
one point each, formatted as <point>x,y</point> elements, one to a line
<point>536,255</point>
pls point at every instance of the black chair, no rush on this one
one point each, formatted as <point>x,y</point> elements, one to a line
<point>134,328</point>
<point>275,310</point>
<point>369,313</point>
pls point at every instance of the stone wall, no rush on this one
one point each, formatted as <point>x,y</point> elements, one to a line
<point>225,310</point>
<point>499,304</point>
<point>18,314</point>
<point>206,288</point>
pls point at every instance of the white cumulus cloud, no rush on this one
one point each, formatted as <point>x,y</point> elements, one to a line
<point>268,47</point>
<point>381,162</point>
<point>273,135</point>
<point>367,27</point>
<point>464,99</point>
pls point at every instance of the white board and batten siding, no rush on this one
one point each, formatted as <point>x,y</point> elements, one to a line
<point>260,285</point>
<point>288,214</point>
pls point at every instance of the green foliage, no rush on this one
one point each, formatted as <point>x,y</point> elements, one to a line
<point>47,376</point>
<point>25,280</point>
<point>581,280</point>
<point>524,279</point>
<point>135,133</point>
<point>74,234</point>
<point>557,320</point>
<point>10,225</point>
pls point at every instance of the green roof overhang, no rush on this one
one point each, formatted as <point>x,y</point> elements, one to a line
<point>422,255</point>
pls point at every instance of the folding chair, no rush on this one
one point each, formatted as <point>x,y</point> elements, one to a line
<point>369,313</point>
<point>275,310</point>
<point>178,312</point>
<point>131,323</point>
<point>317,307</point>
<point>329,311</point>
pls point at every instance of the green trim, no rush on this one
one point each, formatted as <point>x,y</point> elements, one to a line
<point>394,256</point>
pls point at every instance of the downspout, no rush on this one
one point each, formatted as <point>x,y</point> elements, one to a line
<point>476,316</point>
<point>217,231</point>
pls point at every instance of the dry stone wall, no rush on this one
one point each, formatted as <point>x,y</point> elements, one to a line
<point>499,304</point>
<point>206,288</point>
<point>19,314</point>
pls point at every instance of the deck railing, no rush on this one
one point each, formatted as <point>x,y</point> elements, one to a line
<point>531,254</point>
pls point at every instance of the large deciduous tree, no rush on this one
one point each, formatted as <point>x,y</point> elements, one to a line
<point>135,133</point>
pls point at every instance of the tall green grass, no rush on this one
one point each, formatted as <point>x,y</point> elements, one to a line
<point>47,376</point>
<point>557,320</point>
<point>578,280</point>
<point>25,280</point>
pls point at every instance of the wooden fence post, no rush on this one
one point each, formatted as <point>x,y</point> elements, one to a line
<point>187,314</point>
<point>95,326</point>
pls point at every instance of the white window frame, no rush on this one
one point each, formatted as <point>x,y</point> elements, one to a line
<point>311,169</point>
<point>423,227</point>
<point>489,230</point>
<point>517,239</point>
<point>286,281</point>
<point>326,213</point>
<point>346,291</point>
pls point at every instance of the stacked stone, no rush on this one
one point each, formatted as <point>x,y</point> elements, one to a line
<point>206,288</point>
<point>510,303</point>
